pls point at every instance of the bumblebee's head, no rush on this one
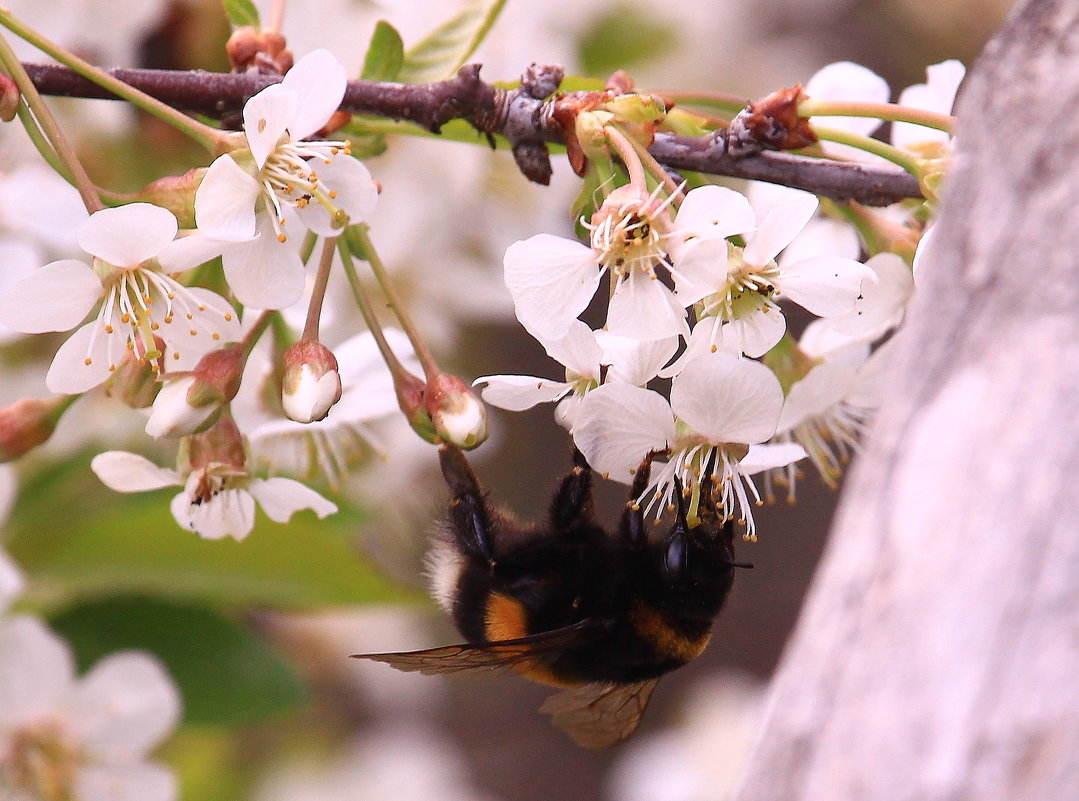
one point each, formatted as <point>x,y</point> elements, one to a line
<point>692,566</point>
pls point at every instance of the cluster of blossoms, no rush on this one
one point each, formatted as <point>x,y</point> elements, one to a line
<point>696,283</point>
<point>157,340</point>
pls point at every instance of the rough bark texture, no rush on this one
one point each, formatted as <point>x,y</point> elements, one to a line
<point>938,654</point>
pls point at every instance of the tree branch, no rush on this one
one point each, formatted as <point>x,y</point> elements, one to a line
<point>520,115</point>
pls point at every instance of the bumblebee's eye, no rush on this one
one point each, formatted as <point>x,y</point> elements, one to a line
<point>675,558</point>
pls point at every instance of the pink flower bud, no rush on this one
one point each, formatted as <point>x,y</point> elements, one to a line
<point>9,99</point>
<point>28,423</point>
<point>311,384</point>
<point>458,414</point>
<point>220,445</point>
<point>411,395</point>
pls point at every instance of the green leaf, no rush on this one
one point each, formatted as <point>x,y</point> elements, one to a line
<point>76,540</point>
<point>385,54</point>
<point>241,12</point>
<point>439,55</point>
<point>226,675</point>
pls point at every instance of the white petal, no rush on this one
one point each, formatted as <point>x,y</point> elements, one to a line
<point>55,298</point>
<point>355,189</point>
<point>847,81</point>
<point>69,373</point>
<point>872,377</point>
<point>880,305</point>
<point>319,81</point>
<point>124,706</point>
<point>782,223</point>
<point>172,415</point>
<point>712,212</point>
<point>281,498</point>
<point>355,194</point>
<point>129,472</point>
<point>825,286</point>
<point>267,116</point>
<point>189,251</point>
<point>701,269</point>
<point>823,236</point>
<point>822,388</point>
<point>265,273</point>
<point>634,361</point>
<point>36,670</point>
<point>643,308</point>
<point>578,350</point>
<point>754,334</point>
<point>128,235</point>
<point>726,398</point>
<point>770,455</point>
<point>937,95</point>
<point>213,321</point>
<point>519,392</point>
<point>821,340</point>
<point>225,202</point>
<point>139,781</point>
<point>616,425</point>
<point>551,281</point>
<point>230,513</point>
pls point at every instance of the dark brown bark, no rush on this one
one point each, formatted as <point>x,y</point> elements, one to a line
<point>938,654</point>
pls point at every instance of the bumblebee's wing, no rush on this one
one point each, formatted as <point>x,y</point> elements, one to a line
<point>598,715</point>
<point>488,656</point>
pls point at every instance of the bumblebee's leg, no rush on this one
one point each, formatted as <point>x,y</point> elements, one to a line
<point>572,502</point>
<point>633,525</point>
<point>468,511</point>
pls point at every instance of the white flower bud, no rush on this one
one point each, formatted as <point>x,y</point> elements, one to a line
<point>459,416</point>
<point>311,384</point>
<point>173,415</point>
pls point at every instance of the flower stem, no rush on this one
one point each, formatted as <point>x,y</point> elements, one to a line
<point>649,162</point>
<point>870,145</point>
<point>397,370</point>
<point>203,134</point>
<point>318,292</point>
<point>251,338</point>
<point>360,241</point>
<point>629,157</point>
<point>275,17</point>
<point>46,124</point>
<point>717,100</point>
<point>883,111</point>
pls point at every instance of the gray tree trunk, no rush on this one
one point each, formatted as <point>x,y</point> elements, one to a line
<point>938,654</point>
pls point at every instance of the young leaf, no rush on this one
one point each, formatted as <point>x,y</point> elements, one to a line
<point>447,47</point>
<point>241,13</point>
<point>385,54</point>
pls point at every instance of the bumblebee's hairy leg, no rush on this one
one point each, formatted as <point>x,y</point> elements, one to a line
<point>468,511</point>
<point>572,502</point>
<point>633,525</point>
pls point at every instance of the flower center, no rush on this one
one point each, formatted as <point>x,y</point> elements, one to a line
<point>749,288</point>
<point>288,179</point>
<point>142,300</point>
<point>40,762</point>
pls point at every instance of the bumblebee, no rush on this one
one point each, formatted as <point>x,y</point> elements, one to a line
<point>572,605</point>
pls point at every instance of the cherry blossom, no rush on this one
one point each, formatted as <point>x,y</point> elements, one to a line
<point>827,409</point>
<point>251,197</point>
<point>741,286</point>
<point>589,358</point>
<point>722,408</point>
<point>142,302</point>
<point>218,500</point>
<point>552,279</point>
<point>84,738</point>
